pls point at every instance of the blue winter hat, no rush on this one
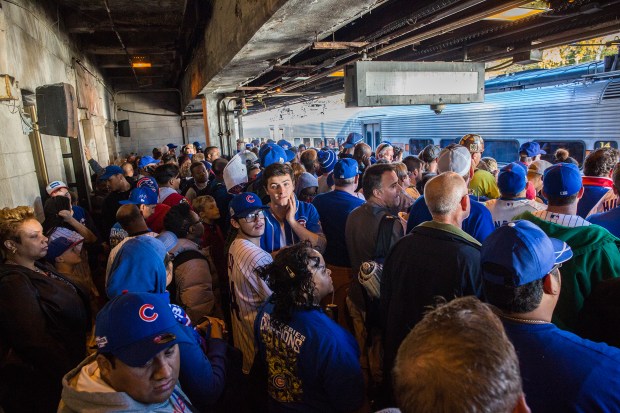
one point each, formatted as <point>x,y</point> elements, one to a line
<point>352,139</point>
<point>531,149</point>
<point>271,153</point>
<point>562,179</point>
<point>135,327</point>
<point>346,168</point>
<point>284,144</point>
<point>110,171</point>
<point>327,160</point>
<point>523,252</point>
<point>141,196</point>
<point>147,160</point>
<point>512,179</point>
<point>138,267</point>
<point>245,203</point>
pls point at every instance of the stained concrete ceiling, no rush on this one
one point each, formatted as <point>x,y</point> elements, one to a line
<point>264,58</point>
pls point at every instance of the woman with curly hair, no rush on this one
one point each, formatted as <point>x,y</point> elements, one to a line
<point>44,318</point>
<point>312,363</point>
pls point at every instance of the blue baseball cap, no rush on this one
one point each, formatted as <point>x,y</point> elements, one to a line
<point>135,327</point>
<point>346,168</point>
<point>271,153</point>
<point>327,160</point>
<point>290,155</point>
<point>141,196</point>
<point>147,160</point>
<point>352,139</point>
<point>148,182</point>
<point>58,246</point>
<point>562,179</point>
<point>245,203</point>
<point>523,251</point>
<point>171,146</point>
<point>512,178</point>
<point>531,149</point>
<point>110,171</point>
<point>284,144</point>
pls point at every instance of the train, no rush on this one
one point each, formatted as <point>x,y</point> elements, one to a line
<point>573,107</point>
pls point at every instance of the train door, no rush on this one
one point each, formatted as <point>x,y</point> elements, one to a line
<point>372,134</point>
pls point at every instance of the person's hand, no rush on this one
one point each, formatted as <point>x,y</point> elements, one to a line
<point>291,209</point>
<point>66,215</point>
<point>87,153</point>
<point>212,327</point>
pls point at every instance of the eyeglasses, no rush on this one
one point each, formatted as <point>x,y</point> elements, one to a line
<point>254,216</point>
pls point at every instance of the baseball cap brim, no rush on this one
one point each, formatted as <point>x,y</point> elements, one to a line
<point>139,353</point>
<point>562,251</point>
<point>246,212</point>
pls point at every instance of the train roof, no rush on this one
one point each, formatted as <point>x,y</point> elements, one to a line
<point>542,77</point>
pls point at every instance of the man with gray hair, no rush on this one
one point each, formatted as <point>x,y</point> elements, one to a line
<point>458,359</point>
<point>456,158</point>
<point>437,258</point>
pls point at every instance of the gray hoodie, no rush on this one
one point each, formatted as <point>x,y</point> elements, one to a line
<point>103,398</point>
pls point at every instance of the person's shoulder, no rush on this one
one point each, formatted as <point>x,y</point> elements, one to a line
<point>602,352</point>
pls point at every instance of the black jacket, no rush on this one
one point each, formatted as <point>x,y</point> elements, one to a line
<point>433,260</point>
<point>43,325</point>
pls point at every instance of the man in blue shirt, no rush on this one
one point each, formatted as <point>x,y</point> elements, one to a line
<point>561,371</point>
<point>456,158</point>
<point>334,208</point>
<point>610,219</point>
<point>288,221</point>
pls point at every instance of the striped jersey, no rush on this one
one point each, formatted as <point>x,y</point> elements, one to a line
<point>570,221</point>
<point>247,293</point>
<point>279,235</point>
<point>503,210</point>
<point>608,202</point>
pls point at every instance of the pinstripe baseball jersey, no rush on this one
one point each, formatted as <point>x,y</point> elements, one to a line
<point>247,293</point>
<point>571,221</point>
<point>274,235</point>
<point>608,202</point>
<point>503,210</point>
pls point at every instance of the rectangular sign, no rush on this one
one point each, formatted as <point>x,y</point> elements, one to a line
<point>413,83</point>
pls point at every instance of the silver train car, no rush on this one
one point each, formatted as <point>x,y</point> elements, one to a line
<point>574,107</point>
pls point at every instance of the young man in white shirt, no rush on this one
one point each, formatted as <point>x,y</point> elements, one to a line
<point>247,291</point>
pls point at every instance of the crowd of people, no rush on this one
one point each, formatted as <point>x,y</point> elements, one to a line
<point>288,278</point>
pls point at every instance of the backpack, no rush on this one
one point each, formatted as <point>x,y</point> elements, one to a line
<point>370,272</point>
<point>179,259</point>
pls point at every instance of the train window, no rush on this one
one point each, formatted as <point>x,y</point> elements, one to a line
<point>318,142</point>
<point>576,149</point>
<point>445,142</point>
<point>297,141</point>
<point>416,145</point>
<point>330,142</point>
<point>505,150</point>
<point>606,144</point>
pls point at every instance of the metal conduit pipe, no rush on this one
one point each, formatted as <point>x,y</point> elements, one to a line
<point>219,122</point>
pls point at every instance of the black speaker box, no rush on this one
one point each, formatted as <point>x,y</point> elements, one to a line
<point>123,128</point>
<point>57,110</point>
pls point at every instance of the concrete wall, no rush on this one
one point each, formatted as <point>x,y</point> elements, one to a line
<point>34,51</point>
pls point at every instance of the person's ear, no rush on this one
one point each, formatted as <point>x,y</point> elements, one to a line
<point>471,170</point>
<point>550,285</point>
<point>521,406</point>
<point>59,259</point>
<point>465,202</point>
<point>580,193</point>
<point>10,245</point>
<point>234,223</point>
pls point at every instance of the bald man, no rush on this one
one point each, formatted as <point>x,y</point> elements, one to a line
<point>437,258</point>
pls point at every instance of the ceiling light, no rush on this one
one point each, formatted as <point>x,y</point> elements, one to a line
<point>139,62</point>
<point>522,12</point>
<point>302,78</point>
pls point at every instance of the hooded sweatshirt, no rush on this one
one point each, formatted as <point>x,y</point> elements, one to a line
<point>596,257</point>
<point>83,390</point>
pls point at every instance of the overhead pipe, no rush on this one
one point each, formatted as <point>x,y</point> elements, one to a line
<point>219,122</point>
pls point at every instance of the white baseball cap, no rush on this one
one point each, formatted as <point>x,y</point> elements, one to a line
<point>55,186</point>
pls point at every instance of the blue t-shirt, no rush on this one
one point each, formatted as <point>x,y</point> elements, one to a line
<point>312,363</point>
<point>563,372</point>
<point>479,224</point>
<point>609,220</point>
<point>334,208</point>
<point>306,215</point>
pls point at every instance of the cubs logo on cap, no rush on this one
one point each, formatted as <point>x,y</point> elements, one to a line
<point>245,203</point>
